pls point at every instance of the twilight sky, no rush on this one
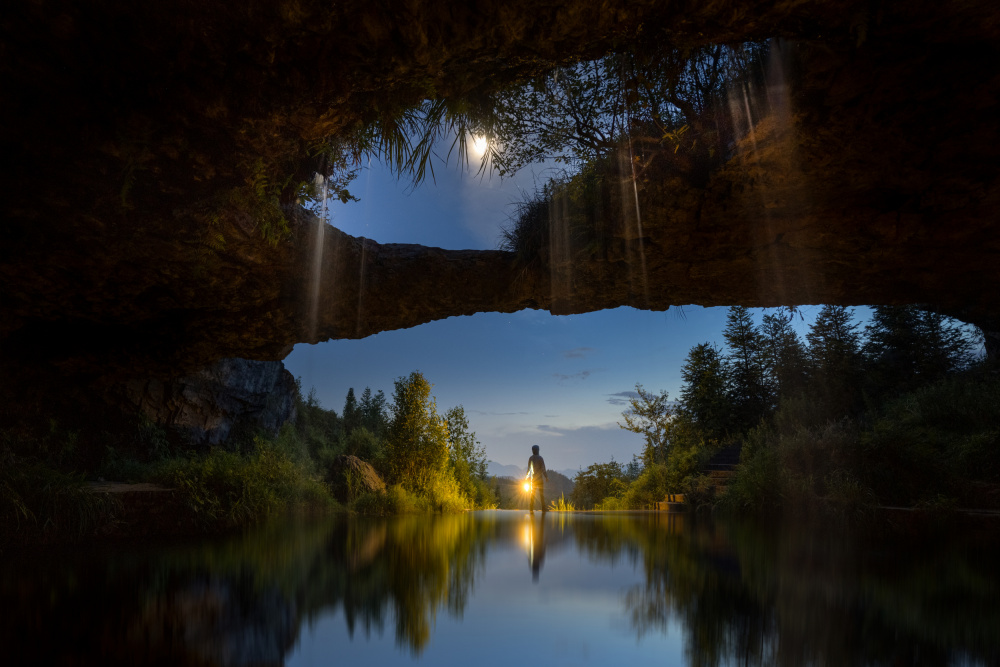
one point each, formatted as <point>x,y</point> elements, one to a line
<point>526,378</point>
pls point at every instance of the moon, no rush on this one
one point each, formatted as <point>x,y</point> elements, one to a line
<point>479,145</point>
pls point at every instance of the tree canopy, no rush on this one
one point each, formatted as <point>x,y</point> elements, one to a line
<point>649,415</point>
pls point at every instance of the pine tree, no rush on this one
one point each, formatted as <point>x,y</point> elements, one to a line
<point>784,354</point>
<point>351,416</point>
<point>373,411</point>
<point>948,348</point>
<point>703,396</point>
<point>835,357</point>
<point>908,346</point>
<point>745,368</point>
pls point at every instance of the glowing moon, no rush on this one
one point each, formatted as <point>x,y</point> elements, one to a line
<point>479,146</point>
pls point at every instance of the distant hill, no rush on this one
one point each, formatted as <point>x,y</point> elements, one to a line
<point>495,469</point>
<point>558,484</point>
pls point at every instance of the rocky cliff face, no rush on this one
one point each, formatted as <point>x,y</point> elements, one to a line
<point>205,408</point>
<point>127,252</point>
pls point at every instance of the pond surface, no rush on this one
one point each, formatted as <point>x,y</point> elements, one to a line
<point>509,588</point>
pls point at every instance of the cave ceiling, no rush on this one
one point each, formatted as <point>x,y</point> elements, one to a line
<point>872,179</point>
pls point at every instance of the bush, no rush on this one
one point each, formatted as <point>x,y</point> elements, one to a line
<point>950,429</point>
<point>597,482</point>
<point>483,497</point>
<point>444,494</point>
<point>363,444</point>
<point>611,504</point>
<point>232,489</point>
<point>650,488</point>
<point>394,500</point>
<point>759,485</point>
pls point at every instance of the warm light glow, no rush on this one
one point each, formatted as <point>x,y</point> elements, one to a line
<point>479,146</point>
<point>527,487</point>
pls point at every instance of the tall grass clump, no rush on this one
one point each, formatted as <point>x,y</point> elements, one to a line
<point>227,488</point>
<point>37,501</point>
<point>561,505</point>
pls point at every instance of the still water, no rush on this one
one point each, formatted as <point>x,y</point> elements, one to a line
<point>509,588</point>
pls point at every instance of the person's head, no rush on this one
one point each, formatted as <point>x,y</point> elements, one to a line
<point>534,449</point>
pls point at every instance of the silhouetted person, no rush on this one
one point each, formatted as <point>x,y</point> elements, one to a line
<point>537,474</point>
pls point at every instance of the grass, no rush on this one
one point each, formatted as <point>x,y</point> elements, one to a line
<point>561,505</point>
<point>40,503</point>
<point>231,489</point>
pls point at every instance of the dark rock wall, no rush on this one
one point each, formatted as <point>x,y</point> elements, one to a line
<point>205,408</point>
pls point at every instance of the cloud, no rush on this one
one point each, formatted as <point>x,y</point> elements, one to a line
<point>622,397</point>
<point>497,414</point>
<point>582,375</point>
<point>574,431</point>
<point>579,352</point>
<point>565,447</point>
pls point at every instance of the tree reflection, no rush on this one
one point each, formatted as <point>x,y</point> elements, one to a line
<point>739,593</point>
<point>411,567</point>
<point>754,596</point>
<point>241,601</point>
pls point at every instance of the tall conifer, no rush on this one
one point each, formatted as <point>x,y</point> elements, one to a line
<point>745,368</point>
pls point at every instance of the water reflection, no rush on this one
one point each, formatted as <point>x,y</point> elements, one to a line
<point>633,586</point>
<point>534,538</point>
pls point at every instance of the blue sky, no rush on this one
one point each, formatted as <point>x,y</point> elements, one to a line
<point>525,378</point>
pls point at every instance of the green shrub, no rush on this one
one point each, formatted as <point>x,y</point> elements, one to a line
<point>699,491</point>
<point>611,504</point>
<point>849,495</point>
<point>444,494</point>
<point>948,429</point>
<point>483,497</point>
<point>233,489</point>
<point>650,488</point>
<point>296,449</point>
<point>394,500</point>
<point>759,484</point>
<point>365,445</point>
